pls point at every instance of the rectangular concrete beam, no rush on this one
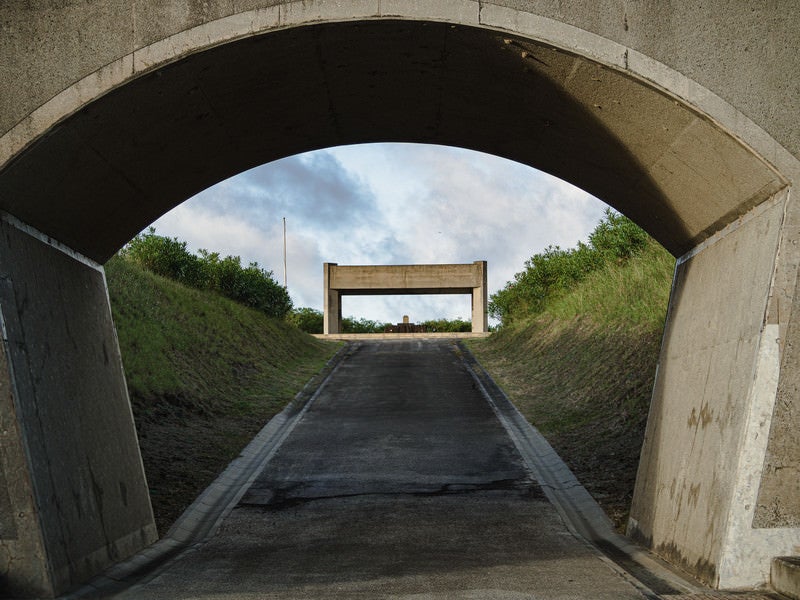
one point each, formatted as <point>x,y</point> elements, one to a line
<point>405,279</point>
<point>480,302</point>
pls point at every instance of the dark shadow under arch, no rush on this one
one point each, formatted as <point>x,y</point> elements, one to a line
<point>103,174</point>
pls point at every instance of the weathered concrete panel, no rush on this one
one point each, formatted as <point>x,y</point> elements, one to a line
<point>731,48</point>
<point>785,576</point>
<point>24,569</point>
<point>690,462</point>
<point>713,42</point>
<point>778,503</point>
<point>71,409</point>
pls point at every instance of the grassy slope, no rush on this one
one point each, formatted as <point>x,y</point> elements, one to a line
<point>204,375</point>
<point>582,371</point>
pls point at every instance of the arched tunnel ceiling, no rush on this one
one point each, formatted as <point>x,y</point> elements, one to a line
<point>106,172</point>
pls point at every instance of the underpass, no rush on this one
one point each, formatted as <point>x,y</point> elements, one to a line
<point>680,115</point>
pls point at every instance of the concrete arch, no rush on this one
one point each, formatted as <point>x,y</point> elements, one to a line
<point>577,98</point>
<point>115,119</point>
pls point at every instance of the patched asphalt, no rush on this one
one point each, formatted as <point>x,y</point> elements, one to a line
<point>399,481</point>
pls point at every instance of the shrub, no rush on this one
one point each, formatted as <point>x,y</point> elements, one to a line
<point>169,257</point>
<point>165,256</point>
<point>362,325</point>
<point>617,237</point>
<point>447,325</point>
<point>306,319</point>
<point>553,272</point>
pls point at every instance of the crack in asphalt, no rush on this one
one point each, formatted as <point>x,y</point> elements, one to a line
<point>282,499</point>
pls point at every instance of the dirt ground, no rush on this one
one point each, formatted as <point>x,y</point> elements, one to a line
<point>587,389</point>
<point>184,453</point>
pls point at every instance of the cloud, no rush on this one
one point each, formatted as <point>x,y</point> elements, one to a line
<point>314,187</point>
<point>460,206</point>
<point>386,204</point>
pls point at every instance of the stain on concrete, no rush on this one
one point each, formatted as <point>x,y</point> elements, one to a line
<point>694,492</point>
<point>703,569</point>
<point>701,418</point>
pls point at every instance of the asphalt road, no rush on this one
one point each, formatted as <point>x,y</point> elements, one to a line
<point>398,482</point>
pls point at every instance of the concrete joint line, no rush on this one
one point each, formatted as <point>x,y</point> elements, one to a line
<point>580,512</point>
<point>49,241</point>
<point>201,520</point>
<point>778,196</point>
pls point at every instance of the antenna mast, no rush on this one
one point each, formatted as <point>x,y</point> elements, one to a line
<point>285,286</point>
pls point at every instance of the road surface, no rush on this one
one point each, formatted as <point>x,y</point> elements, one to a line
<point>398,482</point>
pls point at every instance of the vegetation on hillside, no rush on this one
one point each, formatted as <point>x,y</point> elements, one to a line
<point>169,257</point>
<point>578,349</point>
<point>554,272</point>
<point>447,325</point>
<point>204,375</point>
<point>311,320</point>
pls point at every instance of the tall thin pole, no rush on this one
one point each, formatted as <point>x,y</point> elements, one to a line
<point>285,285</point>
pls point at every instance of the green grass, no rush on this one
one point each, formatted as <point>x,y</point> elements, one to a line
<point>204,375</point>
<point>632,293</point>
<point>582,370</point>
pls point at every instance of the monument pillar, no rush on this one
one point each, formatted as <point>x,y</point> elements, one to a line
<point>332,311</point>
<point>480,301</point>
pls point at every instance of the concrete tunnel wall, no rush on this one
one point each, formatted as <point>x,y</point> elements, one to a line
<point>681,116</point>
<point>82,501</point>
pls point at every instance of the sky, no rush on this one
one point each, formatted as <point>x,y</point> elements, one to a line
<point>385,204</point>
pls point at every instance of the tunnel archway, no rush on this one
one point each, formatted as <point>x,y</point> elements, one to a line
<point>197,98</point>
<point>137,150</point>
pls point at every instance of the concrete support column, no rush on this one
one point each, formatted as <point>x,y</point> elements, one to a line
<point>332,299</point>
<point>480,301</point>
<point>73,496</point>
<point>697,501</point>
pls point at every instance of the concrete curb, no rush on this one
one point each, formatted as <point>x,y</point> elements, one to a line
<point>580,512</point>
<point>785,576</point>
<point>204,516</point>
<point>456,335</point>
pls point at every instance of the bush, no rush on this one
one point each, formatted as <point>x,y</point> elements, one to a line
<point>362,325</point>
<point>251,286</point>
<point>553,272</point>
<point>447,325</point>
<point>306,319</point>
<point>311,320</point>
<point>617,237</point>
<point>165,256</point>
